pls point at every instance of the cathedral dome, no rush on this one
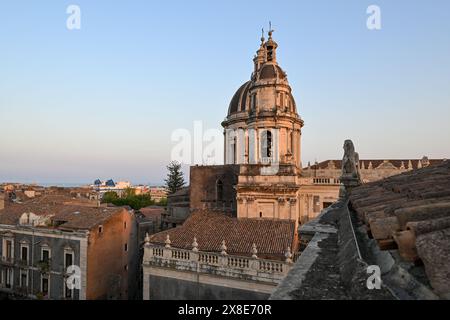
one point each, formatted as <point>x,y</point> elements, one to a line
<point>239,100</point>
<point>268,73</point>
<point>271,71</point>
<point>268,90</point>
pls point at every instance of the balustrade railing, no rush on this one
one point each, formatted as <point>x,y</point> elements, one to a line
<point>321,181</point>
<point>206,261</point>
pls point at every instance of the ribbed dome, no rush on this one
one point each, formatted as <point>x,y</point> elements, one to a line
<point>239,99</point>
<point>271,71</point>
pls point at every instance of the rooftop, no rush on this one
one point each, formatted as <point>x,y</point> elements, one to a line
<point>378,163</point>
<point>272,237</point>
<point>58,212</point>
<point>400,224</point>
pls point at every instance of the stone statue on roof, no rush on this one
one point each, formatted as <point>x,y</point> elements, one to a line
<point>351,176</point>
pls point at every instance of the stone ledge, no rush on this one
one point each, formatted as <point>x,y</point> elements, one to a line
<point>298,272</point>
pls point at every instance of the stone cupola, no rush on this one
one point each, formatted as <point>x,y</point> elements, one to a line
<point>262,124</point>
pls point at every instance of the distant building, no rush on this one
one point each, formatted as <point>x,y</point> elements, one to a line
<point>110,186</point>
<point>44,238</point>
<point>177,209</point>
<point>157,193</point>
<point>153,215</point>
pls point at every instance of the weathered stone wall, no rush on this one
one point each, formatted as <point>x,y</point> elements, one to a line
<point>109,264</point>
<point>163,288</point>
<point>204,191</point>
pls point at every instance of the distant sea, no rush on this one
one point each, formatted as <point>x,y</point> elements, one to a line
<point>73,184</point>
<point>62,184</point>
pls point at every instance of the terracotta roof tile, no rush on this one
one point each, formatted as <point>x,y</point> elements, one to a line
<point>60,209</point>
<point>411,212</point>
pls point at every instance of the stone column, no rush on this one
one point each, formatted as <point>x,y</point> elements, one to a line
<point>298,143</point>
<point>227,146</point>
<point>276,145</point>
<point>240,148</point>
<point>253,146</point>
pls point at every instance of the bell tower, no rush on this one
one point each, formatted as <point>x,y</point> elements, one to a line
<point>262,125</point>
<point>262,133</point>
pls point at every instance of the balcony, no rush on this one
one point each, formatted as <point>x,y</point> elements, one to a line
<point>7,260</point>
<point>23,263</point>
<point>266,160</point>
<point>44,265</point>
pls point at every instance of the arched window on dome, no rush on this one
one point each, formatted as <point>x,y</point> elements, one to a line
<point>253,101</point>
<point>219,190</point>
<point>266,144</point>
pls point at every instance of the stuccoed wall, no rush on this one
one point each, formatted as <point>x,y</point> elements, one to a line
<point>163,288</point>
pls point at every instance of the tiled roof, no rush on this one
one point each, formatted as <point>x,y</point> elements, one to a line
<point>69,216</point>
<point>375,163</point>
<point>411,212</point>
<point>152,211</point>
<point>182,192</point>
<point>272,237</point>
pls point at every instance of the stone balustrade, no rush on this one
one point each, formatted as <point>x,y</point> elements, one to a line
<point>320,181</point>
<point>255,269</point>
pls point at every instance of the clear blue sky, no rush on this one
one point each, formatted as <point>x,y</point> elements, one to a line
<point>103,101</point>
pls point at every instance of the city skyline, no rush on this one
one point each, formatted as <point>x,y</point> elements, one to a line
<point>103,101</point>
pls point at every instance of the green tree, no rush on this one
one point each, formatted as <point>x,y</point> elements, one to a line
<point>175,179</point>
<point>129,192</point>
<point>110,197</point>
<point>162,202</point>
<point>129,198</point>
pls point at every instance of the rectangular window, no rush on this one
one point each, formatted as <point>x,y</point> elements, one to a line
<point>45,284</point>
<point>9,278</point>
<point>316,203</point>
<point>45,256</point>
<point>68,259</point>
<point>100,229</point>
<point>68,293</point>
<point>24,253</point>
<point>8,249</point>
<point>126,247</point>
<point>24,278</point>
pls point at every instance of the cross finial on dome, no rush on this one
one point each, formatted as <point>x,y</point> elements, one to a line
<point>270,30</point>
